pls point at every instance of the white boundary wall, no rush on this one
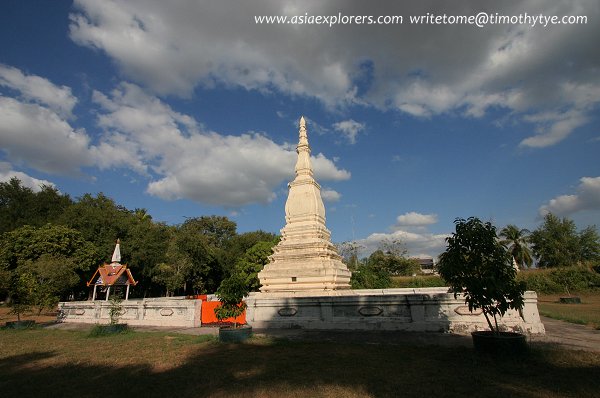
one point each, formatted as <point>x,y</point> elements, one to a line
<point>164,311</point>
<point>425,309</point>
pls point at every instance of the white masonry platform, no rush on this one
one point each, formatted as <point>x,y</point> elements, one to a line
<point>417,310</point>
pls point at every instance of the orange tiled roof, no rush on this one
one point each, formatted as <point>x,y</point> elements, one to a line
<point>112,274</point>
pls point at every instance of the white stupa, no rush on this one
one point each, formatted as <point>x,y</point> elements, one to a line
<point>305,259</point>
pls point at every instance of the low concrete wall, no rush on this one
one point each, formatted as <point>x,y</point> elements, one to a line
<point>171,311</point>
<point>426,309</point>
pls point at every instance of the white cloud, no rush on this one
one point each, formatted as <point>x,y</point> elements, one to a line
<point>329,195</point>
<point>418,244</point>
<point>39,90</point>
<point>586,198</point>
<point>414,219</point>
<point>553,127</point>
<point>40,138</point>
<point>7,173</point>
<point>459,69</point>
<point>191,163</point>
<point>350,129</point>
<point>411,231</point>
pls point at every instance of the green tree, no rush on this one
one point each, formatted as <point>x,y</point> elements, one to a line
<point>51,278</point>
<point>100,221</point>
<point>556,243</point>
<point>478,266</point>
<point>589,244</point>
<point>21,289</point>
<point>253,261</point>
<point>28,244</point>
<point>145,247</point>
<point>393,264</point>
<point>175,271</point>
<point>350,251</point>
<point>517,242</point>
<point>21,206</point>
<point>231,293</point>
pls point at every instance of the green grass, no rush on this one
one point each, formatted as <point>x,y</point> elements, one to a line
<point>43,362</point>
<point>586,313</point>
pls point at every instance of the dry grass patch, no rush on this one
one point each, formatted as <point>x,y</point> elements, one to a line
<point>68,363</point>
<point>586,313</point>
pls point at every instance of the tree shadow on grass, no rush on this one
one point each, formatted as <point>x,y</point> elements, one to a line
<point>290,368</point>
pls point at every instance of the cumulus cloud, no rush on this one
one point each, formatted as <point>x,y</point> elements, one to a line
<point>39,90</point>
<point>329,195</point>
<point>414,219</point>
<point>7,173</point>
<point>350,129</point>
<point>411,230</point>
<point>184,161</point>
<point>459,69</point>
<point>417,244</point>
<point>586,198</point>
<point>142,133</point>
<point>35,135</point>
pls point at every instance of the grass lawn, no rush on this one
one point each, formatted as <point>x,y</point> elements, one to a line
<point>586,313</point>
<point>42,362</point>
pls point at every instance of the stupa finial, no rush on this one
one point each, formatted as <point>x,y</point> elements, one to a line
<point>116,257</point>
<point>303,141</point>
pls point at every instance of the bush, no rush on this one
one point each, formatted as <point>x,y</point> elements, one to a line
<point>539,281</point>
<point>561,280</point>
<point>419,281</point>
<point>367,277</point>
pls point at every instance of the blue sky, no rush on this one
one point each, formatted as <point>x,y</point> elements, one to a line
<point>190,108</point>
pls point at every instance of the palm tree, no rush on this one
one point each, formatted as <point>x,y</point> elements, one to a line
<point>517,242</point>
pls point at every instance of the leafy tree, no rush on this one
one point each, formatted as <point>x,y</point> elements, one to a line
<point>349,251</point>
<point>231,293</point>
<point>100,220</point>
<point>517,242</point>
<point>175,271</point>
<point>144,249</point>
<point>253,261</point>
<point>556,243</point>
<point>21,206</point>
<point>589,244</point>
<point>29,244</point>
<point>393,264</point>
<point>50,278</point>
<point>478,266</point>
<point>218,230</point>
<point>21,288</point>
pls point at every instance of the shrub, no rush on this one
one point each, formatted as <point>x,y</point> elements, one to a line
<point>561,280</point>
<point>231,293</point>
<point>367,277</point>
<point>419,281</point>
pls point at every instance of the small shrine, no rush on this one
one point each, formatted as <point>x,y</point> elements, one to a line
<point>112,275</point>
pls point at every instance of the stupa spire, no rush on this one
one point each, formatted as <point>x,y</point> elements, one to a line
<point>303,165</point>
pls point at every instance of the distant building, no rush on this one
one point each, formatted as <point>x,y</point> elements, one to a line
<point>427,265</point>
